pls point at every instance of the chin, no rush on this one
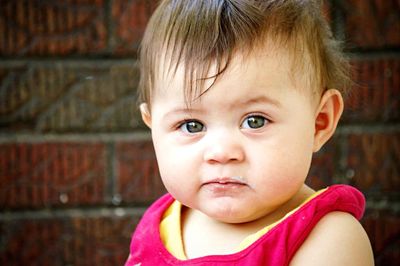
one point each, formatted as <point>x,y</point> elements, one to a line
<point>230,215</point>
<point>234,220</point>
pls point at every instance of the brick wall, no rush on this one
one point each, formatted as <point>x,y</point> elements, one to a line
<point>77,167</point>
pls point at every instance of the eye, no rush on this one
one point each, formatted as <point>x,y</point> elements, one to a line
<point>254,122</point>
<point>192,127</point>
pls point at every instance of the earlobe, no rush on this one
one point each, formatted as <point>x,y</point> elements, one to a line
<point>145,112</point>
<point>328,114</point>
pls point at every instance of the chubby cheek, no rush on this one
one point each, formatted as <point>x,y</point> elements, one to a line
<point>283,181</point>
<point>298,161</point>
<point>177,169</point>
<point>284,167</point>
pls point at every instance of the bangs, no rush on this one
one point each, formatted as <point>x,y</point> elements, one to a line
<point>197,35</point>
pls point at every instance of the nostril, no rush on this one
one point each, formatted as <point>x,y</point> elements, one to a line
<point>224,154</point>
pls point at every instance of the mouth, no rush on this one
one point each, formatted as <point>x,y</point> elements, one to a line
<point>238,180</point>
<point>225,185</point>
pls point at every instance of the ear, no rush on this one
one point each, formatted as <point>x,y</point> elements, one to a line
<point>145,112</point>
<point>328,114</point>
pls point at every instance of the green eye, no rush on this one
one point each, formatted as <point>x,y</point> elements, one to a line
<point>254,122</point>
<point>192,127</point>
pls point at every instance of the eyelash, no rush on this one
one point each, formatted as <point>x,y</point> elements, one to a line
<point>187,121</point>
<point>265,120</point>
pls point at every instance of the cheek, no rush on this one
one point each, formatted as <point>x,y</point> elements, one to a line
<point>298,158</point>
<point>282,176</point>
<point>176,166</point>
<point>300,143</point>
<point>285,161</point>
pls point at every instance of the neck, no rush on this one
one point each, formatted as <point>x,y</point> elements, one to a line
<point>217,237</point>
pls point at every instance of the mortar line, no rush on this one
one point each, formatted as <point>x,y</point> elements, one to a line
<point>72,213</point>
<point>138,136</point>
<point>109,25</point>
<point>111,175</point>
<point>70,61</point>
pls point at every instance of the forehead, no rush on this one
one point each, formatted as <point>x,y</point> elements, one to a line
<point>260,66</point>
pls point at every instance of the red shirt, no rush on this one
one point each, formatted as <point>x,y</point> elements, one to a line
<point>276,247</point>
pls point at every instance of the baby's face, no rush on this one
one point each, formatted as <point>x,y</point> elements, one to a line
<point>243,148</point>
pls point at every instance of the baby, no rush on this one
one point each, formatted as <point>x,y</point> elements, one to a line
<point>239,94</point>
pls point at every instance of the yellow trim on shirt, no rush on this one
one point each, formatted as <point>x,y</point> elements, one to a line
<point>171,232</point>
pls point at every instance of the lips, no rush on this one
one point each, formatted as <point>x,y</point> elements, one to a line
<point>225,186</point>
<point>226,181</point>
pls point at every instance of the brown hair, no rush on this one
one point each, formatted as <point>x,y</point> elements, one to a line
<point>196,34</point>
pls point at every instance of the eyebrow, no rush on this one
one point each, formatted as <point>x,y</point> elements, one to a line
<point>179,110</point>
<point>254,100</point>
<point>259,100</point>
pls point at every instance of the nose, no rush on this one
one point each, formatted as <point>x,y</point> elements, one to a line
<point>223,147</point>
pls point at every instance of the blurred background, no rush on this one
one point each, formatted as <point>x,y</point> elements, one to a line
<point>77,167</point>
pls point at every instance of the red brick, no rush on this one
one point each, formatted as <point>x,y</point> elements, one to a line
<point>376,95</point>
<point>139,179</point>
<point>52,28</point>
<point>130,19</point>
<point>66,241</point>
<point>43,175</point>
<point>383,231</point>
<point>69,96</point>
<point>372,23</point>
<point>374,160</point>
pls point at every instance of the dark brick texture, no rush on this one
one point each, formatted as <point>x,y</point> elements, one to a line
<point>69,97</point>
<point>376,93</point>
<point>77,167</point>
<point>52,27</point>
<point>373,160</point>
<point>67,240</point>
<point>371,24</point>
<point>383,230</point>
<point>129,19</point>
<point>139,180</point>
<point>45,175</point>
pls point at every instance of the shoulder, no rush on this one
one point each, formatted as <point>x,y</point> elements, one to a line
<point>337,239</point>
